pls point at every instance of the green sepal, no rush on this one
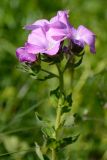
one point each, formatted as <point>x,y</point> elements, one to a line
<point>78,63</point>
<point>52,59</point>
<point>25,67</point>
<point>36,67</point>
<point>81,54</point>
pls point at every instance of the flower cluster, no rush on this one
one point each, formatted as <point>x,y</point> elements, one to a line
<point>46,37</point>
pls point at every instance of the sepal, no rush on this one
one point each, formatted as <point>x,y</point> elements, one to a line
<point>25,67</point>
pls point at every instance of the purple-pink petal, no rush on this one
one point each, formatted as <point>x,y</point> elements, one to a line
<point>56,34</point>
<point>40,41</point>
<point>38,38</point>
<point>84,35</point>
<point>24,56</point>
<point>34,49</point>
<point>39,23</point>
<point>46,36</point>
<point>61,16</point>
<point>53,49</point>
<point>59,24</point>
<point>63,27</point>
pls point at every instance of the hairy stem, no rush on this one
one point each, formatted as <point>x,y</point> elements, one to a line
<point>59,107</point>
<point>58,114</point>
<point>53,154</point>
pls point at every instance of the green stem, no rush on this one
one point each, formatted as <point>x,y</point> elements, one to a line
<point>59,107</point>
<point>61,79</point>
<point>53,154</point>
<point>72,73</point>
<point>58,114</point>
<point>49,72</point>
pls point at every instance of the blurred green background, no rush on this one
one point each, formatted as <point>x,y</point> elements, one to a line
<point>22,96</point>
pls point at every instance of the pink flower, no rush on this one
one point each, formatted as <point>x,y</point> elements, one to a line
<point>24,56</point>
<point>46,37</point>
<point>40,41</point>
<point>83,36</point>
<point>58,27</point>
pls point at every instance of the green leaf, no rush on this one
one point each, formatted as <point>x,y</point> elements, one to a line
<point>46,127</point>
<point>36,67</point>
<point>65,109</point>
<point>78,63</point>
<point>46,77</point>
<point>77,118</point>
<point>38,117</point>
<point>42,122</point>
<point>45,157</point>
<point>45,123</point>
<point>68,140</point>
<point>81,54</point>
<point>48,131</point>
<point>24,67</point>
<point>55,92</point>
<point>68,103</point>
<point>69,99</point>
<point>38,152</point>
<point>52,143</point>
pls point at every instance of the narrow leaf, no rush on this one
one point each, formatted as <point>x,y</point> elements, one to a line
<point>78,63</point>
<point>69,99</point>
<point>68,140</point>
<point>48,131</point>
<point>55,92</point>
<point>65,109</point>
<point>38,152</point>
<point>45,157</point>
<point>52,143</point>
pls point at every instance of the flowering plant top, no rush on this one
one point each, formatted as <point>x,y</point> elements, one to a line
<point>46,42</point>
<point>46,37</point>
